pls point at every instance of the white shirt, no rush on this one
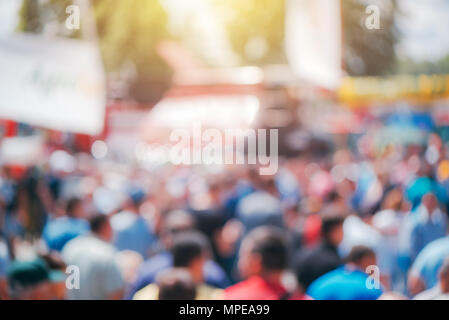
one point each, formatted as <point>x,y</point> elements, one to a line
<point>99,274</point>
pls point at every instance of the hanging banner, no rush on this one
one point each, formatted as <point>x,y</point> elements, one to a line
<point>360,91</point>
<point>313,41</point>
<point>55,84</point>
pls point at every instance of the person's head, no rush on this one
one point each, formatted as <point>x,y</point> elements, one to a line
<point>100,226</point>
<point>430,202</point>
<point>268,183</point>
<point>393,200</point>
<point>190,250</point>
<point>174,222</point>
<point>176,284</point>
<point>215,190</point>
<point>75,208</point>
<point>31,280</point>
<point>136,197</point>
<point>444,276</point>
<point>361,257</point>
<point>263,252</point>
<point>332,228</point>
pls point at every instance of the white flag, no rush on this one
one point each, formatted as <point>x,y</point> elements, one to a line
<point>314,41</point>
<point>56,84</point>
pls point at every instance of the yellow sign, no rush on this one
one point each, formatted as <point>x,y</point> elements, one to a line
<point>365,90</point>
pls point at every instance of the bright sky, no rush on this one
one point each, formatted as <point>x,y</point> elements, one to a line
<point>8,15</point>
<point>208,34</point>
<point>425,27</point>
<point>424,23</point>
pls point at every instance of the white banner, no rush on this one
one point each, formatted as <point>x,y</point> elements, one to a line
<point>314,41</point>
<point>56,84</point>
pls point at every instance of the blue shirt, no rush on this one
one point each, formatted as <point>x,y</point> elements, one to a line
<point>258,209</point>
<point>405,256</point>
<point>343,284</point>
<point>427,228</point>
<point>213,273</point>
<point>132,232</point>
<point>429,261</point>
<point>59,231</point>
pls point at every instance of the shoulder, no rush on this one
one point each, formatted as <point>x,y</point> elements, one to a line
<point>89,246</point>
<point>239,290</point>
<point>432,251</point>
<point>153,264</point>
<point>329,277</point>
<point>206,292</point>
<point>122,221</point>
<point>150,292</point>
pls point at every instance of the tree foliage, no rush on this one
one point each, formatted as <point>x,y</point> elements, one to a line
<point>409,66</point>
<point>49,17</point>
<point>128,33</point>
<point>365,51</point>
<point>256,29</point>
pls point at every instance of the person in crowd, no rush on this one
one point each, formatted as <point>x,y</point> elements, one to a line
<point>214,220</point>
<point>131,230</point>
<point>394,210</point>
<point>263,260</point>
<point>173,223</point>
<point>33,280</point>
<point>4,264</point>
<point>95,258</point>
<point>441,290</point>
<point>31,208</point>
<point>351,281</point>
<point>129,262</point>
<point>262,206</point>
<point>444,281</point>
<point>424,271</point>
<point>190,251</point>
<point>310,264</point>
<point>431,224</point>
<point>176,284</point>
<point>58,231</point>
<point>359,231</point>
<point>298,210</point>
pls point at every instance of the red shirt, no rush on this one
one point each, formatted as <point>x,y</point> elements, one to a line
<point>257,288</point>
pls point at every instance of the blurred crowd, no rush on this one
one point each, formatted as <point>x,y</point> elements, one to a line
<point>359,222</point>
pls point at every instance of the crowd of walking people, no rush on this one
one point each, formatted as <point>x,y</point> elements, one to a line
<point>353,224</point>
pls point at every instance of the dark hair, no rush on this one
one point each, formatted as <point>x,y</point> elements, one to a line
<point>357,253</point>
<point>176,284</point>
<point>72,203</point>
<point>271,245</point>
<point>188,246</point>
<point>97,221</point>
<point>329,222</point>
